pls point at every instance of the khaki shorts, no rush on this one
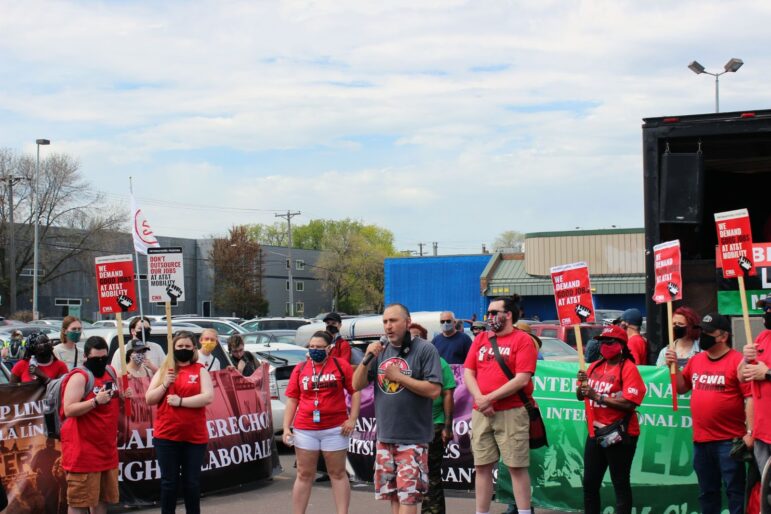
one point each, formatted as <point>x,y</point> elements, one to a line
<point>506,435</point>
<point>89,489</point>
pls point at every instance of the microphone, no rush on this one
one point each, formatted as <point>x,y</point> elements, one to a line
<point>368,358</point>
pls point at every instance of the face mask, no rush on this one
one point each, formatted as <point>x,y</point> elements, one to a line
<point>183,355</point>
<point>96,365</point>
<point>497,323</point>
<point>138,358</point>
<point>680,332</point>
<point>706,341</point>
<point>73,336</point>
<point>767,320</point>
<point>610,350</point>
<point>317,355</point>
<point>45,353</point>
<point>146,332</point>
<point>447,327</point>
<point>208,346</point>
<point>332,329</point>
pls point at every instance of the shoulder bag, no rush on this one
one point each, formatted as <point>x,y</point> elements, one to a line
<point>537,427</point>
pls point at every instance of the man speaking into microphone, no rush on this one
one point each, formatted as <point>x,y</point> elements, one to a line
<point>408,377</point>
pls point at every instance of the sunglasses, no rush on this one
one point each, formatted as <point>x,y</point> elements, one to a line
<point>478,329</point>
<point>445,321</point>
<point>494,313</point>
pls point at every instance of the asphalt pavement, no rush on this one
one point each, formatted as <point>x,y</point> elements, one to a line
<point>274,497</point>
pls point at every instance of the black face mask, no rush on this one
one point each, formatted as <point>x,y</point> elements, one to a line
<point>44,354</point>
<point>767,320</point>
<point>96,365</point>
<point>333,329</point>
<point>183,355</point>
<point>706,341</point>
<point>146,332</point>
<point>680,332</point>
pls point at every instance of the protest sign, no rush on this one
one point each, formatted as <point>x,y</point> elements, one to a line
<point>734,243</point>
<point>115,284</point>
<point>573,293</point>
<point>666,269</point>
<point>757,287</point>
<point>165,275</point>
<point>239,451</point>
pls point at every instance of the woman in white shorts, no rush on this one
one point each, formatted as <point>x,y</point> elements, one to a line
<point>316,410</point>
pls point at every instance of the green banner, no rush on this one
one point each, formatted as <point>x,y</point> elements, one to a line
<point>663,480</point>
<point>730,304</point>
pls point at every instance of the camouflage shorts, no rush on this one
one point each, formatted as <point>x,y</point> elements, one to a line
<point>401,472</point>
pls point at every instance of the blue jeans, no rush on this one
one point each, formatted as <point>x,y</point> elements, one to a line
<point>174,458</point>
<point>712,464</point>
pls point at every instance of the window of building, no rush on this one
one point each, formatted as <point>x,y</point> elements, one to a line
<point>288,264</point>
<point>287,285</point>
<point>299,308</point>
<point>299,264</point>
<point>63,302</point>
<point>299,285</point>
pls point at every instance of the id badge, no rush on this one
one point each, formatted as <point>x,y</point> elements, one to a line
<point>316,416</point>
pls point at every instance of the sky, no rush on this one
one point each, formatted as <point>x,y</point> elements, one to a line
<point>445,121</point>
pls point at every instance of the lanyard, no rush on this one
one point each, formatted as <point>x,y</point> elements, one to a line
<point>316,379</point>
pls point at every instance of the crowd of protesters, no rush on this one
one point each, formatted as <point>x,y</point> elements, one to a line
<point>413,399</point>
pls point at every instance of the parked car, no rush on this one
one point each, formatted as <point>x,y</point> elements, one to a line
<point>5,374</point>
<point>282,358</point>
<point>270,336</point>
<point>567,334</point>
<point>285,323</point>
<point>106,323</point>
<point>26,330</point>
<point>553,349</point>
<point>223,327</point>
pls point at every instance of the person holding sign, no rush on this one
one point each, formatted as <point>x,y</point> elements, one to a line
<point>316,408</point>
<point>39,362</point>
<point>685,326</point>
<point>720,414</point>
<point>615,389</point>
<point>756,368</point>
<point>245,362</point>
<point>180,434</point>
<point>500,420</point>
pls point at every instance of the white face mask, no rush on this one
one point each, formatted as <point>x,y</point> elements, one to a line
<point>447,327</point>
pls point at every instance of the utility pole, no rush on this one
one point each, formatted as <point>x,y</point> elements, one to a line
<point>11,243</point>
<point>436,248</point>
<point>421,245</point>
<point>289,215</point>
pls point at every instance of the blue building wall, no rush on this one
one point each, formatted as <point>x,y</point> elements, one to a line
<point>437,283</point>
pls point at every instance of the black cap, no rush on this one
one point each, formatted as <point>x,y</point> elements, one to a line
<point>333,316</point>
<point>715,321</point>
<point>764,303</point>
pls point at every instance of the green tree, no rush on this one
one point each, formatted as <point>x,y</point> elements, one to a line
<point>271,235</point>
<point>238,270</point>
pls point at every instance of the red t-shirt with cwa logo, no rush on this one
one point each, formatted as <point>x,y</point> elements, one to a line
<point>606,378</point>
<point>341,349</point>
<point>519,354</point>
<point>717,397</point>
<point>330,393</point>
<point>183,424</point>
<point>761,389</point>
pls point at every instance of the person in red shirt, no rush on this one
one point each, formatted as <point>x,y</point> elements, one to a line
<point>756,368</point>
<point>39,363</point>
<point>340,348</point>
<point>180,435</point>
<point>719,413</point>
<point>89,433</point>
<point>316,410</point>
<point>616,389</point>
<point>631,321</point>
<point>500,420</point>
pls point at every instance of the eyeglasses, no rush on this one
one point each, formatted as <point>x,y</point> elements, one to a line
<point>495,313</point>
<point>477,329</point>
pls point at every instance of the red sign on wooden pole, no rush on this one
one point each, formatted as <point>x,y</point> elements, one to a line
<point>573,293</point>
<point>734,243</point>
<point>115,284</point>
<point>666,269</point>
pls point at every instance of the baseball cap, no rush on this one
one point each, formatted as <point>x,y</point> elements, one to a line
<point>764,303</point>
<point>138,345</point>
<point>715,321</point>
<point>479,324</point>
<point>613,332</point>
<point>632,316</point>
<point>333,316</point>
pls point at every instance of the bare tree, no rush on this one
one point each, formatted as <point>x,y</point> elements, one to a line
<point>73,219</point>
<point>238,269</point>
<point>510,241</point>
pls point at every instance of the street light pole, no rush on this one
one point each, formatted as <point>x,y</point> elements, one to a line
<point>731,66</point>
<point>36,215</point>
<point>11,244</point>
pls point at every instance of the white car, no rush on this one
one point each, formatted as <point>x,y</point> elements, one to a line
<point>282,358</point>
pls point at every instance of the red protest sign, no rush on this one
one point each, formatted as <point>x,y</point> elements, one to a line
<point>666,269</point>
<point>115,284</point>
<point>734,243</point>
<point>573,293</point>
